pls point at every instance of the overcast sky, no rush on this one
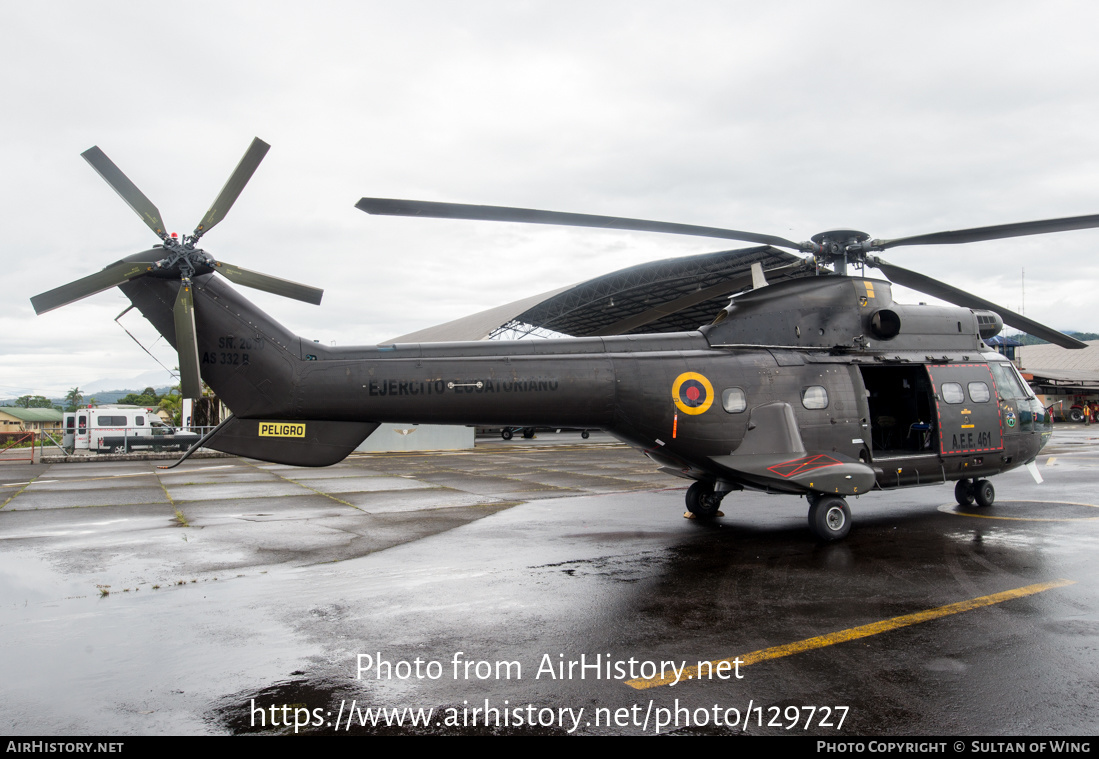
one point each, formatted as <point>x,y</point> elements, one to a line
<point>782,118</point>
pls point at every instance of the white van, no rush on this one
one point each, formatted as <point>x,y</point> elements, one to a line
<point>120,429</point>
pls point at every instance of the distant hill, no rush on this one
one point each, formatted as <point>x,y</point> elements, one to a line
<point>1032,340</point>
<point>102,398</point>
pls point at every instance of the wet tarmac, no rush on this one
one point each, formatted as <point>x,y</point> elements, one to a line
<point>228,595</point>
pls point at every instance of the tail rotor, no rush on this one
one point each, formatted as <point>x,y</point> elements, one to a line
<point>182,259</point>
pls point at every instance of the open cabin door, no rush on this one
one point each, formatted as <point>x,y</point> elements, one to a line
<point>901,402</point>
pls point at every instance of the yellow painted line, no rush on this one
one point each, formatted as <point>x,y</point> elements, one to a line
<point>1027,519</point>
<point>950,508</point>
<point>854,633</point>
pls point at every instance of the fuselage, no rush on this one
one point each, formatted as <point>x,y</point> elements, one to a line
<point>683,398</point>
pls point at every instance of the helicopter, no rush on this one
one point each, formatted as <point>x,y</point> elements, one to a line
<point>820,386</point>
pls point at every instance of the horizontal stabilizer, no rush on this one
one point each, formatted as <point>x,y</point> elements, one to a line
<point>298,443</point>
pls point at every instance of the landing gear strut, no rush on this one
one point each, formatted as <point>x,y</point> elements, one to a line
<point>702,501</point>
<point>829,517</point>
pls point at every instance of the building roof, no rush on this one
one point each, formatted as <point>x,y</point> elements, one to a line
<point>670,295</point>
<point>32,414</point>
<point>1074,370</point>
<point>1055,358</point>
<point>475,326</point>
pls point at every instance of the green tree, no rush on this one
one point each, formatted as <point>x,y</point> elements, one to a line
<point>173,404</point>
<point>73,399</point>
<point>33,401</point>
<point>147,397</point>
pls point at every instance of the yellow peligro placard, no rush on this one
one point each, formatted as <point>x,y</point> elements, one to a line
<point>281,429</point>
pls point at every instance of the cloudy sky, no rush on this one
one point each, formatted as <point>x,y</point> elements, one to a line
<point>784,117</point>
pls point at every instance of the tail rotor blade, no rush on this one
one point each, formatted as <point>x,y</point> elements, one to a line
<point>270,284</point>
<point>110,277</point>
<point>232,189</point>
<point>950,294</point>
<point>126,189</point>
<point>186,342</point>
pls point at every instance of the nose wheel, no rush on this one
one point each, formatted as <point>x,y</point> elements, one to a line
<point>829,517</point>
<point>981,491</point>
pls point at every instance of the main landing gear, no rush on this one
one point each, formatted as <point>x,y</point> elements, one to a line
<point>829,516</point>
<point>702,501</point>
<point>968,491</point>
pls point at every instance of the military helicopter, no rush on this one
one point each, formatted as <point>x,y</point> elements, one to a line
<point>821,386</point>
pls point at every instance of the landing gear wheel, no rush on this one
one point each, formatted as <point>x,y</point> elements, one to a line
<point>984,493</point>
<point>963,492</point>
<point>506,434</point>
<point>830,518</point>
<point>528,432</point>
<point>702,501</point>
<point>585,434</point>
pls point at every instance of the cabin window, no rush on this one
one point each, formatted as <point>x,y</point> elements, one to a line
<point>814,397</point>
<point>111,421</point>
<point>139,421</point>
<point>952,392</point>
<point>83,425</point>
<point>733,400</point>
<point>978,392</point>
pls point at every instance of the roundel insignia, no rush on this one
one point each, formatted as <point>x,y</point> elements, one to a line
<point>692,393</point>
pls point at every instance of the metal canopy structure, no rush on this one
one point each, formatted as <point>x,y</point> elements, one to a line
<point>670,295</point>
<point>1048,381</point>
<point>1052,369</point>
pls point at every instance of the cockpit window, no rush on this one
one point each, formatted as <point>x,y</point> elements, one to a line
<point>1008,381</point>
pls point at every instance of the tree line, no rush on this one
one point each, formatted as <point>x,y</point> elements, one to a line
<point>75,398</point>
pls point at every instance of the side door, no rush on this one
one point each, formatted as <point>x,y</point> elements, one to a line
<point>68,438</point>
<point>968,410</point>
<point>81,438</point>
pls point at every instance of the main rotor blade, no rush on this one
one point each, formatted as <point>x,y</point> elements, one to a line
<point>950,294</point>
<point>995,232</point>
<point>267,283</point>
<point>393,207</point>
<point>232,189</point>
<point>126,189</point>
<point>186,342</point>
<point>110,277</point>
